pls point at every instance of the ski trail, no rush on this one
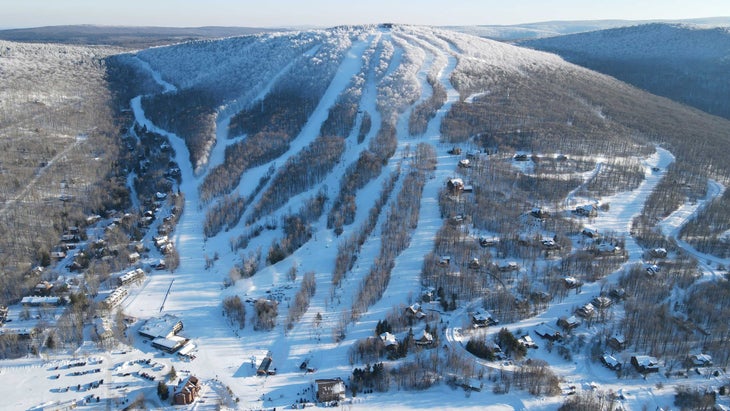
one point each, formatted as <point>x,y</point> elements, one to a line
<point>627,205</point>
<point>588,176</point>
<point>38,175</point>
<point>405,278</point>
<point>673,223</point>
<point>222,139</point>
<point>168,87</point>
<point>349,67</point>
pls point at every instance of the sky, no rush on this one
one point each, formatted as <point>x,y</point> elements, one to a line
<point>326,13</point>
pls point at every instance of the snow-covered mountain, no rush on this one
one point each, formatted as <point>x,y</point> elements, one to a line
<point>305,198</point>
<point>522,32</point>
<point>682,62</point>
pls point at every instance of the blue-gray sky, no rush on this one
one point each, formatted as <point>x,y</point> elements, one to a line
<point>277,13</point>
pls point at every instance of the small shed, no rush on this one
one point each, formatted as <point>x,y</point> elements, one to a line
<point>264,367</point>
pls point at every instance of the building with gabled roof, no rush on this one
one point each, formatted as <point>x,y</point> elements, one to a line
<point>611,362</point>
<point>188,392</point>
<point>424,338</point>
<point>389,340</point>
<point>483,319</point>
<point>645,364</point>
<point>547,332</point>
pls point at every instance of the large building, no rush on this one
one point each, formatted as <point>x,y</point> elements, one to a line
<point>163,333</point>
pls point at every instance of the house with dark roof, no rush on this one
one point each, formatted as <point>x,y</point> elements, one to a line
<point>547,332</point>
<point>617,342</point>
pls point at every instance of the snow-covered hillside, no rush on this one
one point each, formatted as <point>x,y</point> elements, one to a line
<point>521,32</point>
<point>402,179</point>
<point>681,62</point>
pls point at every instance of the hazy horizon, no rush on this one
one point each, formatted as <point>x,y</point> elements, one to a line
<point>326,13</point>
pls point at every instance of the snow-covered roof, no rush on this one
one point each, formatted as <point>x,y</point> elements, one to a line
<point>169,343</point>
<point>482,316</point>
<point>424,337</point>
<point>701,359</point>
<point>388,339</point>
<point>160,327</point>
<point>131,275</point>
<point>186,349</point>
<point>611,360</point>
<point>646,360</point>
<point>33,300</point>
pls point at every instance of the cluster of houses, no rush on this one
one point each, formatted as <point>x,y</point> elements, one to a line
<point>163,244</point>
<point>120,293</point>
<point>422,338</point>
<point>645,364</point>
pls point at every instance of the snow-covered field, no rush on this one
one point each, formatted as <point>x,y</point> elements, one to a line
<point>225,358</point>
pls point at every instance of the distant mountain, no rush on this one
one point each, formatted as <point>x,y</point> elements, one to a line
<point>688,64</point>
<point>530,31</point>
<point>123,36</point>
